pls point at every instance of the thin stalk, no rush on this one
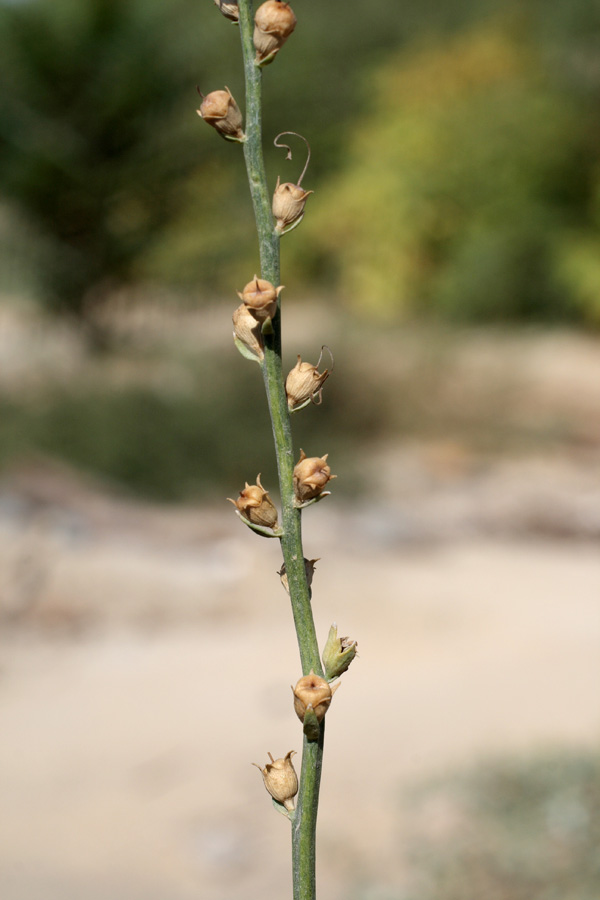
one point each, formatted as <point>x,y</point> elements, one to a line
<point>305,818</point>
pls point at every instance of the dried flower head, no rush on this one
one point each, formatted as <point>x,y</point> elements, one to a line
<point>260,297</point>
<point>338,653</point>
<point>309,568</point>
<point>255,505</point>
<point>246,330</point>
<point>229,8</point>
<point>304,383</point>
<point>312,693</point>
<point>311,474</point>
<point>280,779</point>
<point>273,23</point>
<point>221,111</point>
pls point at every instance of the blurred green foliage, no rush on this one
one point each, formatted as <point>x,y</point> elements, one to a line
<point>456,153</point>
<point>466,183</point>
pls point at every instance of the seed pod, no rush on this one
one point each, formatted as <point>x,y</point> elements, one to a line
<point>311,474</point>
<point>229,8</point>
<point>309,568</point>
<point>312,693</point>
<point>255,505</point>
<point>304,383</point>
<point>260,297</point>
<point>246,330</point>
<point>338,653</point>
<point>289,201</point>
<point>273,23</point>
<point>280,779</point>
<point>221,111</point>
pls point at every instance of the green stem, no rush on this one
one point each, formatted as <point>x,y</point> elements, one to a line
<point>305,819</point>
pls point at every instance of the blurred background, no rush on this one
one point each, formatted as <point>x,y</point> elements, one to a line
<point>450,257</point>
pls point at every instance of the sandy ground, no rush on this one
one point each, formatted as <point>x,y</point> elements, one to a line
<point>147,654</point>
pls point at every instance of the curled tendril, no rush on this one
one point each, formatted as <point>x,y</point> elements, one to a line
<point>289,151</point>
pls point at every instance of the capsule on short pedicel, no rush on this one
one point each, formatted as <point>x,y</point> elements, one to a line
<point>255,505</point>
<point>273,23</point>
<point>311,474</point>
<point>312,693</point>
<point>304,383</point>
<point>280,779</point>
<point>220,110</point>
<point>260,298</point>
<point>289,201</point>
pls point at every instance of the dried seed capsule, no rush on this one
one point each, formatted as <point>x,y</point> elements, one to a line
<point>312,693</point>
<point>260,297</point>
<point>311,474</point>
<point>273,23</point>
<point>309,568</point>
<point>229,8</point>
<point>289,201</point>
<point>338,653</point>
<point>221,111</point>
<point>255,505</point>
<point>304,383</point>
<point>246,329</point>
<point>280,779</point>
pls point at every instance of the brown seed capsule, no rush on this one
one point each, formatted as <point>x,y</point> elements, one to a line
<point>273,23</point>
<point>311,474</point>
<point>221,111</point>
<point>260,297</point>
<point>280,779</point>
<point>289,201</point>
<point>309,568</point>
<point>304,383</point>
<point>255,505</point>
<point>229,8</point>
<point>312,692</point>
<point>247,330</point>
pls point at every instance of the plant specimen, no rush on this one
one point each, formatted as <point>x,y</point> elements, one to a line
<point>257,334</point>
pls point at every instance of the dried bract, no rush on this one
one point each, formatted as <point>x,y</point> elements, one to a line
<point>260,298</point>
<point>273,23</point>
<point>246,329</point>
<point>311,474</point>
<point>304,383</point>
<point>309,568</point>
<point>255,505</point>
<point>220,110</point>
<point>280,779</point>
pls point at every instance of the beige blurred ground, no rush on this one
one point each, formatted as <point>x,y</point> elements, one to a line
<point>147,653</point>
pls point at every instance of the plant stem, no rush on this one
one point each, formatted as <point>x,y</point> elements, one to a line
<point>305,819</point>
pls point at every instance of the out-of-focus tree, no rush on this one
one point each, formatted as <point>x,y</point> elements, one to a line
<point>98,132</point>
<point>465,179</point>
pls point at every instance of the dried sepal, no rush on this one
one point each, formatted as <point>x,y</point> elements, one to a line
<point>260,299</point>
<point>229,9</point>
<point>338,653</point>
<point>274,21</point>
<point>255,506</point>
<point>309,568</point>
<point>305,383</point>
<point>311,474</point>
<point>220,110</point>
<point>247,334</point>
<point>280,779</point>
